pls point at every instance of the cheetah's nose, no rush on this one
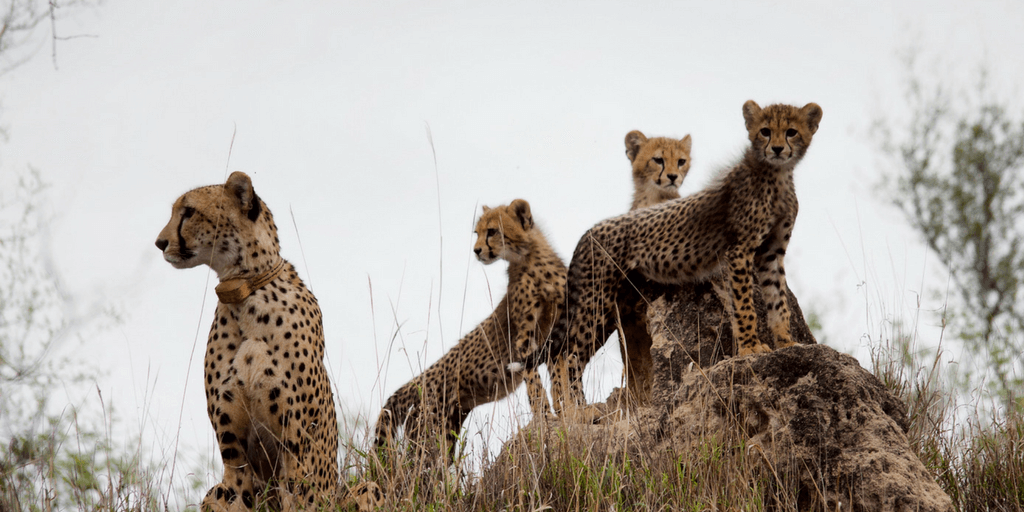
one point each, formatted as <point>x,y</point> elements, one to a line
<point>672,178</point>
<point>161,244</point>
<point>478,250</point>
<point>777,150</point>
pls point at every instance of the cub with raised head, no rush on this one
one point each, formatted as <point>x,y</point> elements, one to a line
<point>473,371</point>
<point>659,166</point>
<point>737,227</point>
<point>267,391</point>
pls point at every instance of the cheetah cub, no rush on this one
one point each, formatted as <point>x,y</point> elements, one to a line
<point>659,166</point>
<point>738,225</point>
<point>473,371</point>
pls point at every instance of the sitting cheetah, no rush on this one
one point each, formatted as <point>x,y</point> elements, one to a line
<point>267,391</point>
<point>741,222</point>
<point>473,371</point>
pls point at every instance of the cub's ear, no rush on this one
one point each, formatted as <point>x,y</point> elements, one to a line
<point>812,113</point>
<point>687,143</point>
<point>486,208</point>
<point>634,140</point>
<point>239,187</point>
<point>751,111</point>
<point>521,209</point>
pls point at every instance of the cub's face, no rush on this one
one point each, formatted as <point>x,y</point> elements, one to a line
<point>208,225</point>
<point>503,232</point>
<point>781,134</point>
<point>658,162</point>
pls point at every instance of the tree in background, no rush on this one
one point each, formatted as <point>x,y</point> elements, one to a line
<point>19,24</point>
<point>54,454</point>
<point>959,167</point>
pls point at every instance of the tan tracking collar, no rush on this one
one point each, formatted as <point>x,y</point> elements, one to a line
<point>238,289</point>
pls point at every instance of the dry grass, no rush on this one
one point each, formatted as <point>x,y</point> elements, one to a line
<point>979,463</point>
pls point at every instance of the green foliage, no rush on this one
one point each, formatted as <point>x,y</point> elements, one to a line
<point>52,455</point>
<point>979,463</point>
<point>958,180</point>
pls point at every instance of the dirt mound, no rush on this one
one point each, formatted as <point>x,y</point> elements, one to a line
<point>826,431</point>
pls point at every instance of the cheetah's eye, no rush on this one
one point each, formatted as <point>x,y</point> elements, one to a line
<point>660,161</point>
<point>682,162</point>
<point>189,211</point>
<point>766,132</point>
<point>491,232</point>
<point>790,133</point>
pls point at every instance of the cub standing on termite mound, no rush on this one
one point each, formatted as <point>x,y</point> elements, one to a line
<point>267,391</point>
<point>739,224</point>
<point>473,371</point>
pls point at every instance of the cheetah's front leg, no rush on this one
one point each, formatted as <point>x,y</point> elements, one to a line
<point>539,403</point>
<point>771,276</point>
<point>229,414</point>
<point>282,444</point>
<point>744,318</point>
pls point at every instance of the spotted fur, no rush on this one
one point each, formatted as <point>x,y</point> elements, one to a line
<point>739,224</point>
<point>267,391</point>
<point>473,371</point>
<point>365,496</point>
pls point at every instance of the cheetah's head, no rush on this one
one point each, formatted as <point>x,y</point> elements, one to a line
<point>503,232</point>
<point>780,134</point>
<point>224,226</point>
<point>659,163</point>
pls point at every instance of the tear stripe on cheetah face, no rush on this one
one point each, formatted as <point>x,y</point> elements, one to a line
<point>738,226</point>
<point>474,371</point>
<point>268,395</point>
<point>659,166</point>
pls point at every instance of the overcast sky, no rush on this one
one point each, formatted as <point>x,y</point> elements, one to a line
<point>334,105</point>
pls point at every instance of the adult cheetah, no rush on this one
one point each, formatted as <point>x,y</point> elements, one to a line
<point>267,390</point>
<point>473,371</point>
<point>740,223</point>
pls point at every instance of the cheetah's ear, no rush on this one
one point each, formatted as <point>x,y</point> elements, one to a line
<point>522,211</point>
<point>751,111</point>
<point>812,113</point>
<point>687,143</point>
<point>633,141</point>
<point>239,186</point>
<point>486,208</point>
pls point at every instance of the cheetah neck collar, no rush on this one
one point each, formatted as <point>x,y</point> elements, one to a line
<point>233,291</point>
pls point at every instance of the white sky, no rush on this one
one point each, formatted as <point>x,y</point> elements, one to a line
<point>331,102</point>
